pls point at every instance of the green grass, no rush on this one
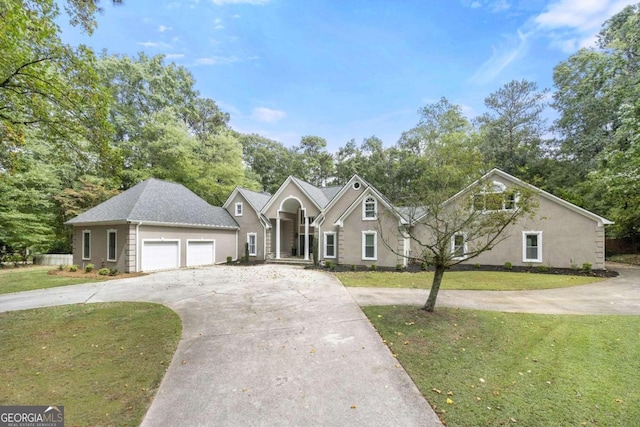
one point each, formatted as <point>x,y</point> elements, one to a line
<point>507,368</point>
<point>27,279</point>
<point>102,362</point>
<point>464,280</point>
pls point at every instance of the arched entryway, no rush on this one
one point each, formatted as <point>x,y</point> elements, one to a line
<point>294,235</point>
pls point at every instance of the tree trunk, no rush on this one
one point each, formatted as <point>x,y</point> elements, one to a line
<point>430,305</point>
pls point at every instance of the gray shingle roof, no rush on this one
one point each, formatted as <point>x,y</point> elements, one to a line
<point>321,196</point>
<point>257,200</point>
<point>154,200</point>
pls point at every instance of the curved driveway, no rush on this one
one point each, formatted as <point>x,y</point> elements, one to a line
<point>620,295</point>
<point>264,345</point>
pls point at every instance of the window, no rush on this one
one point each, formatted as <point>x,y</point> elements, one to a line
<point>356,185</point>
<point>369,208</point>
<point>329,245</point>
<point>238,209</point>
<point>369,245</point>
<point>532,246</point>
<point>111,245</point>
<point>458,246</point>
<point>86,244</point>
<point>495,198</point>
<point>252,240</point>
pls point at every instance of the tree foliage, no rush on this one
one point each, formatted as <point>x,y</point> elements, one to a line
<point>45,84</point>
<point>512,129</point>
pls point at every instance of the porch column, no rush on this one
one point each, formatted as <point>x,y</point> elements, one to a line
<point>278,236</point>
<point>306,238</point>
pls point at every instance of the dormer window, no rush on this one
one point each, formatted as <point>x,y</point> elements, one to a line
<point>238,209</point>
<point>369,209</point>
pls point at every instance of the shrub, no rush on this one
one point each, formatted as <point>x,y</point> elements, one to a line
<point>423,266</point>
<point>73,268</point>
<point>373,267</point>
<point>353,267</point>
<point>246,252</point>
<point>508,265</point>
<point>88,268</point>
<point>542,269</point>
<point>62,267</point>
<point>476,265</point>
<point>103,271</point>
<point>586,267</point>
<point>398,267</point>
<point>229,260</point>
<point>113,271</point>
<point>329,264</point>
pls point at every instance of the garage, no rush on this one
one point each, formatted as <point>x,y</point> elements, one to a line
<point>160,254</point>
<point>201,252</point>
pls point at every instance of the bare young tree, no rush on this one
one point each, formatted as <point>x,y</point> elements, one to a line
<point>444,233</point>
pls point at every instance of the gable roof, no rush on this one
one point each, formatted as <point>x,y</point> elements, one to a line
<point>157,201</point>
<point>320,197</point>
<point>370,190</point>
<point>497,172</point>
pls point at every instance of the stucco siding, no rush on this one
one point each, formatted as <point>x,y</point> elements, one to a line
<point>249,222</point>
<point>98,250</point>
<point>385,229</point>
<point>566,238</point>
<point>225,240</point>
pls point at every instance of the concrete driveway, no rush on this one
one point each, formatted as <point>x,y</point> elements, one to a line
<point>264,345</point>
<point>620,295</point>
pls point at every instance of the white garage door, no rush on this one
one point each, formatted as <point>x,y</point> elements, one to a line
<point>200,252</point>
<point>160,255</point>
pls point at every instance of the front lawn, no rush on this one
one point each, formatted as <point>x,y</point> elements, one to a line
<point>29,278</point>
<point>102,362</point>
<point>464,280</point>
<point>495,369</point>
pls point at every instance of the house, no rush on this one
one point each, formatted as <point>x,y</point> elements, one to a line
<point>154,225</point>
<point>163,225</point>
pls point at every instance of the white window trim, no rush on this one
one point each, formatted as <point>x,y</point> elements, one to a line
<point>524,246</point>
<point>84,233</point>
<point>115,246</point>
<point>327,233</point>
<point>375,245</point>
<point>464,245</point>
<point>238,212</point>
<point>255,246</point>
<point>364,209</point>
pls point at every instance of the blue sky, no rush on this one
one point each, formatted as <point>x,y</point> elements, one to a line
<point>344,69</point>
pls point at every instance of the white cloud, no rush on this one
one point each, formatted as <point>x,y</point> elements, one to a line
<point>513,48</point>
<point>174,55</point>
<point>217,24</point>
<point>163,28</point>
<point>499,6</point>
<point>154,44</point>
<point>216,60</point>
<point>475,5</point>
<point>267,115</point>
<point>256,2</point>
<point>572,24</point>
